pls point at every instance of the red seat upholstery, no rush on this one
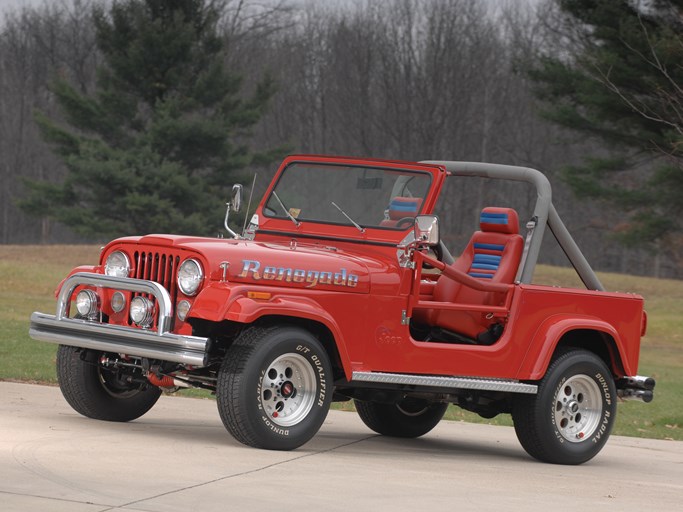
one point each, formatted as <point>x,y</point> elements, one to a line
<point>492,254</point>
<point>400,208</point>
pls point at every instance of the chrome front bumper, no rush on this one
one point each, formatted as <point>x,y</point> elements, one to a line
<point>162,345</point>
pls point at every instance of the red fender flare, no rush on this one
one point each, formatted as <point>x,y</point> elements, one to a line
<point>221,302</point>
<point>550,332</point>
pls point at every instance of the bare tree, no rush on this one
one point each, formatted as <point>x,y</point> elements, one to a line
<point>35,46</point>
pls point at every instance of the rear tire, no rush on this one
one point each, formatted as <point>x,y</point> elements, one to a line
<point>97,392</point>
<point>411,417</point>
<point>571,417</point>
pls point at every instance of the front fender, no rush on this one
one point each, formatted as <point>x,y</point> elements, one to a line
<point>221,301</point>
<point>549,334</point>
<point>82,268</point>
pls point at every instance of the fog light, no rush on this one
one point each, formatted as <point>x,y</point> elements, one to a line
<point>87,303</point>
<point>182,309</point>
<point>118,302</point>
<point>141,311</point>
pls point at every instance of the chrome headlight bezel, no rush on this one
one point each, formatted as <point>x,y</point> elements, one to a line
<point>190,276</point>
<point>87,303</point>
<point>117,264</point>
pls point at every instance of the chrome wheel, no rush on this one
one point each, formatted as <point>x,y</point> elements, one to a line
<point>274,387</point>
<point>578,408</point>
<point>571,417</point>
<point>288,390</point>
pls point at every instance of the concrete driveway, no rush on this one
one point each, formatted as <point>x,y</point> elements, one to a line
<point>179,458</point>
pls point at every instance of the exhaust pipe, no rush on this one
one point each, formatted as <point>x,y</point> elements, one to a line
<point>639,382</point>
<point>637,387</point>
<point>644,395</point>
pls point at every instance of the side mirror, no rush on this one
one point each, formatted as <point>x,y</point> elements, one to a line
<point>236,201</point>
<point>234,206</point>
<point>426,230</point>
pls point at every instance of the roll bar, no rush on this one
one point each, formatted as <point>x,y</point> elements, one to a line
<point>544,211</point>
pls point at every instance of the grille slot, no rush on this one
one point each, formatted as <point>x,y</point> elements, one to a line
<point>158,267</point>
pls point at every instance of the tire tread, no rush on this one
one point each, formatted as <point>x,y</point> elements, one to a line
<point>529,413</point>
<point>80,384</point>
<point>232,372</point>
<point>387,420</point>
<point>236,406</point>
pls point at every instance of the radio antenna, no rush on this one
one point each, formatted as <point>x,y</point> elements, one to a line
<point>251,193</point>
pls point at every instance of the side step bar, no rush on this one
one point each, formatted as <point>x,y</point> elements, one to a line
<point>405,379</point>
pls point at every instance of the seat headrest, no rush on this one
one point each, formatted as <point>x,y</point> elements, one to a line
<point>499,220</point>
<point>401,207</point>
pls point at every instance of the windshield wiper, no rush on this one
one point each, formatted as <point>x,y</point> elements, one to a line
<point>284,208</point>
<point>350,219</point>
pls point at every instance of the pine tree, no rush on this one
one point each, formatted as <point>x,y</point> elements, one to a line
<point>618,78</point>
<point>157,145</point>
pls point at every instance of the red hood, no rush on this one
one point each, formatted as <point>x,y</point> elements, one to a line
<point>293,265</point>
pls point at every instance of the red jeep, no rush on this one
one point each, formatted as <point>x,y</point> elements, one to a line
<point>340,288</point>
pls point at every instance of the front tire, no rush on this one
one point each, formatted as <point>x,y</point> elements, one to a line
<point>410,417</point>
<point>97,392</point>
<point>274,388</point>
<point>571,417</point>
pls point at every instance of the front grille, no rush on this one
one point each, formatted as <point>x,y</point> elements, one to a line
<point>158,267</point>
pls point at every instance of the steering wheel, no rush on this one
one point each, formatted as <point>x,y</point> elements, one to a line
<point>405,222</point>
<point>443,254</point>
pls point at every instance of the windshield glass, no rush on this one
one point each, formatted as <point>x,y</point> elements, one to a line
<point>348,195</point>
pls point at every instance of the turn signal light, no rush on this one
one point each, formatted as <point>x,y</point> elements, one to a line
<point>259,295</point>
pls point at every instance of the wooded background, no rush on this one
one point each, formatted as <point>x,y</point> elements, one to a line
<point>404,79</point>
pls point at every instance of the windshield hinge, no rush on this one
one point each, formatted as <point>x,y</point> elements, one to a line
<point>405,257</point>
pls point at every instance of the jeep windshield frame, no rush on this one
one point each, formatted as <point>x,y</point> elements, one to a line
<point>340,194</point>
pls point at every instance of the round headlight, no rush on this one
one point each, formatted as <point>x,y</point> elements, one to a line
<point>141,311</point>
<point>87,303</point>
<point>117,265</point>
<point>190,277</point>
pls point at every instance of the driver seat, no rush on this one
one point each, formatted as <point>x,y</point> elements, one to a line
<point>401,208</point>
<point>492,254</point>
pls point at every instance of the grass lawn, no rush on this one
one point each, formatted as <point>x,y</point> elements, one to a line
<point>30,275</point>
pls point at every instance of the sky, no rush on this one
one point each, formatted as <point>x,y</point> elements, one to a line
<point>6,5</point>
<point>10,5</point>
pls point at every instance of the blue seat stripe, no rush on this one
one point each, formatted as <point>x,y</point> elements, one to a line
<point>476,274</point>
<point>490,247</point>
<point>491,259</point>
<point>494,218</point>
<point>484,266</point>
<point>403,207</point>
